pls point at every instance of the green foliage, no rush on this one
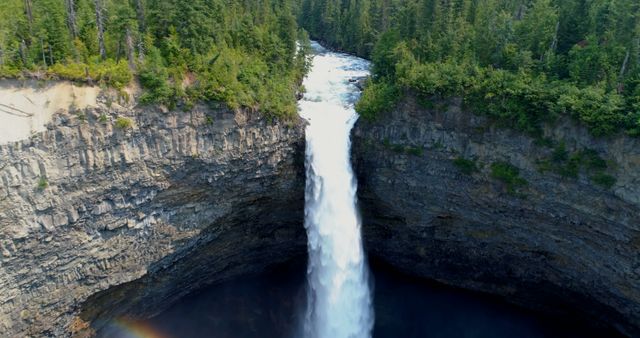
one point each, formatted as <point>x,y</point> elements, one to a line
<point>592,161</point>
<point>603,180</point>
<point>42,183</point>
<point>441,79</point>
<point>417,151</point>
<point>241,53</point>
<point>466,166</point>
<point>377,97</point>
<point>572,164</point>
<point>109,72</point>
<point>384,54</point>
<point>522,63</point>
<point>561,163</point>
<point>9,72</point>
<point>508,174</point>
<point>518,100</point>
<point>124,123</point>
<point>601,111</point>
<point>154,76</point>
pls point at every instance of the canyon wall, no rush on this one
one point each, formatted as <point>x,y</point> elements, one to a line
<point>561,244</point>
<point>111,197</point>
<point>116,211</point>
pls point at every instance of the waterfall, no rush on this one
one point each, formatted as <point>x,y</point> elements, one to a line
<point>339,298</point>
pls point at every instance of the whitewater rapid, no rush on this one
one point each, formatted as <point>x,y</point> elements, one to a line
<point>339,297</point>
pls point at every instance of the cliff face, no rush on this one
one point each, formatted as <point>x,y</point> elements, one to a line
<point>86,206</point>
<point>99,222</point>
<point>552,243</point>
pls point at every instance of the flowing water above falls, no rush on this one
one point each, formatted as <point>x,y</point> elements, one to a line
<point>339,298</point>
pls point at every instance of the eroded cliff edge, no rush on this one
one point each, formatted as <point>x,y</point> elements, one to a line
<point>554,243</point>
<point>91,205</point>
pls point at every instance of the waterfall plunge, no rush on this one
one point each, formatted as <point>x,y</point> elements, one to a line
<point>339,298</point>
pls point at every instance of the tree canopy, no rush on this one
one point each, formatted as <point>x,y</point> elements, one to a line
<point>240,52</point>
<point>521,61</point>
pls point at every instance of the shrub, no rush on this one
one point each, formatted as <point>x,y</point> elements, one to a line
<point>466,166</point>
<point>154,77</point>
<point>111,73</point>
<point>124,123</point>
<point>603,180</point>
<point>508,174</point>
<point>415,151</point>
<point>9,72</point>
<point>592,160</point>
<point>402,149</point>
<point>43,183</point>
<point>516,97</point>
<point>377,97</point>
<point>601,111</point>
<point>571,164</point>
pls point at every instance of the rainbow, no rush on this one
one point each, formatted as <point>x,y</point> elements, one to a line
<point>126,328</point>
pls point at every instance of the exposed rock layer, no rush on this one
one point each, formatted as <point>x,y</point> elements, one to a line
<point>85,206</point>
<point>98,222</point>
<point>556,244</point>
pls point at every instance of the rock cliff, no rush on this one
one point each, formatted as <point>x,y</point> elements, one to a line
<point>103,204</point>
<point>116,211</point>
<point>550,241</point>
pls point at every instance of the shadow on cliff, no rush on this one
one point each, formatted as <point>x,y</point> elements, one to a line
<point>252,232</point>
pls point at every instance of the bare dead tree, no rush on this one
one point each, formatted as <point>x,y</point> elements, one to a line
<point>100,25</point>
<point>624,64</point>
<point>385,14</point>
<point>554,43</point>
<point>28,11</point>
<point>140,15</point>
<point>638,51</point>
<point>23,52</point>
<point>623,70</point>
<point>51,60</point>
<point>44,57</point>
<point>522,10</point>
<point>118,50</point>
<point>130,49</point>
<point>141,50</point>
<point>71,18</point>
<point>142,28</point>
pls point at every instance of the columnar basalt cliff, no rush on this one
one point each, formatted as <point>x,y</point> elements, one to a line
<point>119,211</point>
<point>98,203</point>
<point>542,240</point>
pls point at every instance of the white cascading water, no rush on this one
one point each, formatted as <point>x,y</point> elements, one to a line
<point>339,297</point>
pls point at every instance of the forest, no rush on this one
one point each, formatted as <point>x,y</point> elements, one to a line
<point>242,53</point>
<point>522,62</point>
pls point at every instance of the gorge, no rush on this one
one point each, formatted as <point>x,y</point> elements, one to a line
<point>134,219</point>
<point>180,168</point>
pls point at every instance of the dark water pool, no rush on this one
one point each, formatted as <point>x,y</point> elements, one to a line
<point>271,305</point>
